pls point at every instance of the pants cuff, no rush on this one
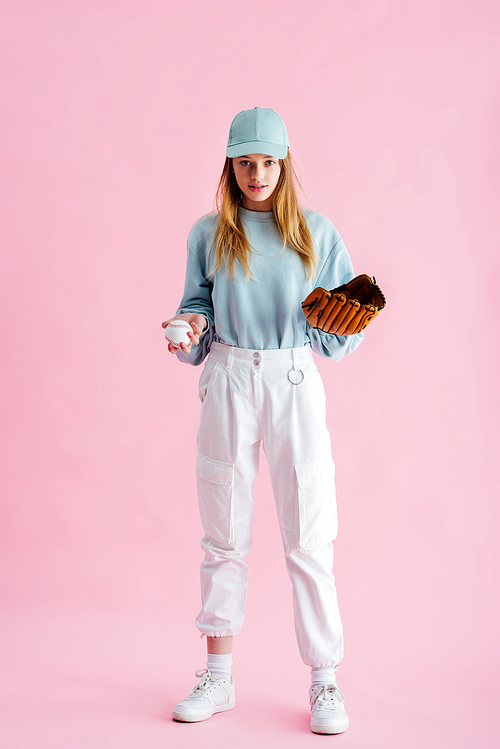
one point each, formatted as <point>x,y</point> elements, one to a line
<point>218,633</point>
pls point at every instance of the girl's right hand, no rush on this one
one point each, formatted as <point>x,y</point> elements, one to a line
<point>197,322</point>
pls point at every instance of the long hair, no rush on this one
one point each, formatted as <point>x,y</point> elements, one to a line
<point>230,239</point>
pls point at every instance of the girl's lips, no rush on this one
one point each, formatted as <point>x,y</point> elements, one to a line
<point>257,188</point>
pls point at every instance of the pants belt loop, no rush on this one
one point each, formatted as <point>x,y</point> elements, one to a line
<point>230,357</point>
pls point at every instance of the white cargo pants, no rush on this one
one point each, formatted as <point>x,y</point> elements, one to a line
<point>248,397</point>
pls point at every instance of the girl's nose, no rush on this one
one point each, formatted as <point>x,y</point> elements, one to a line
<point>258,173</point>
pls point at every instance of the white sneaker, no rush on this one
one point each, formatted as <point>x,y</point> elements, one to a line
<point>327,705</point>
<point>213,694</point>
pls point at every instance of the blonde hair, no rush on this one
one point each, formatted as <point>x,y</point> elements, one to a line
<point>230,239</point>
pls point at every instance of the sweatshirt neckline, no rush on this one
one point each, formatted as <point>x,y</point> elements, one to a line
<point>255,215</point>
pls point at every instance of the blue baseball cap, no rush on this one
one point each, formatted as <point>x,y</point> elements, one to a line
<point>257,131</point>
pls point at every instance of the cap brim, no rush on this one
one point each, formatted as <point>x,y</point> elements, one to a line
<point>268,149</point>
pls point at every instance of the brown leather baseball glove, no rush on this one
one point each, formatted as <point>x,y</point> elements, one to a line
<point>347,309</point>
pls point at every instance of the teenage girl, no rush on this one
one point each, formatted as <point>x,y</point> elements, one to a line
<point>249,267</point>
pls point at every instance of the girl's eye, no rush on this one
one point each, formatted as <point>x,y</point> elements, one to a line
<point>245,162</point>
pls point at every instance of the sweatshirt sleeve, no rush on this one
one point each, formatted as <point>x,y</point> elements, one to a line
<point>197,297</point>
<point>335,271</point>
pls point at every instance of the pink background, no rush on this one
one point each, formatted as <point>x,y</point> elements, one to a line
<point>114,122</point>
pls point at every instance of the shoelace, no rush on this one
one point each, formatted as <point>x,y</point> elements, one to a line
<point>206,682</point>
<point>326,695</point>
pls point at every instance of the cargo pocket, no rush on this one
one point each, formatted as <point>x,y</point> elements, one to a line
<point>317,504</point>
<point>215,495</point>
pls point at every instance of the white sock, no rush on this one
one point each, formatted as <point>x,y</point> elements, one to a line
<point>323,676</point>
<point>219,664</point>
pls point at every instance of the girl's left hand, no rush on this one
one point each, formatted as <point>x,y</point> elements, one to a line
<point>196,321</point>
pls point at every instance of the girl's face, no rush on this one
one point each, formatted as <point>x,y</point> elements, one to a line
<point>257,175</point>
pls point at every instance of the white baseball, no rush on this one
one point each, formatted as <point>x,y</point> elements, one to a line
<point>176,332</point>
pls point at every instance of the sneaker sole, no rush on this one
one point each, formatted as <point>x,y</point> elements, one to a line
<point>185,718</point>
<point>330,729</point>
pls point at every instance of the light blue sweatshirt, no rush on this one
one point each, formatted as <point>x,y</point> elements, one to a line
<point>264,312</point>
